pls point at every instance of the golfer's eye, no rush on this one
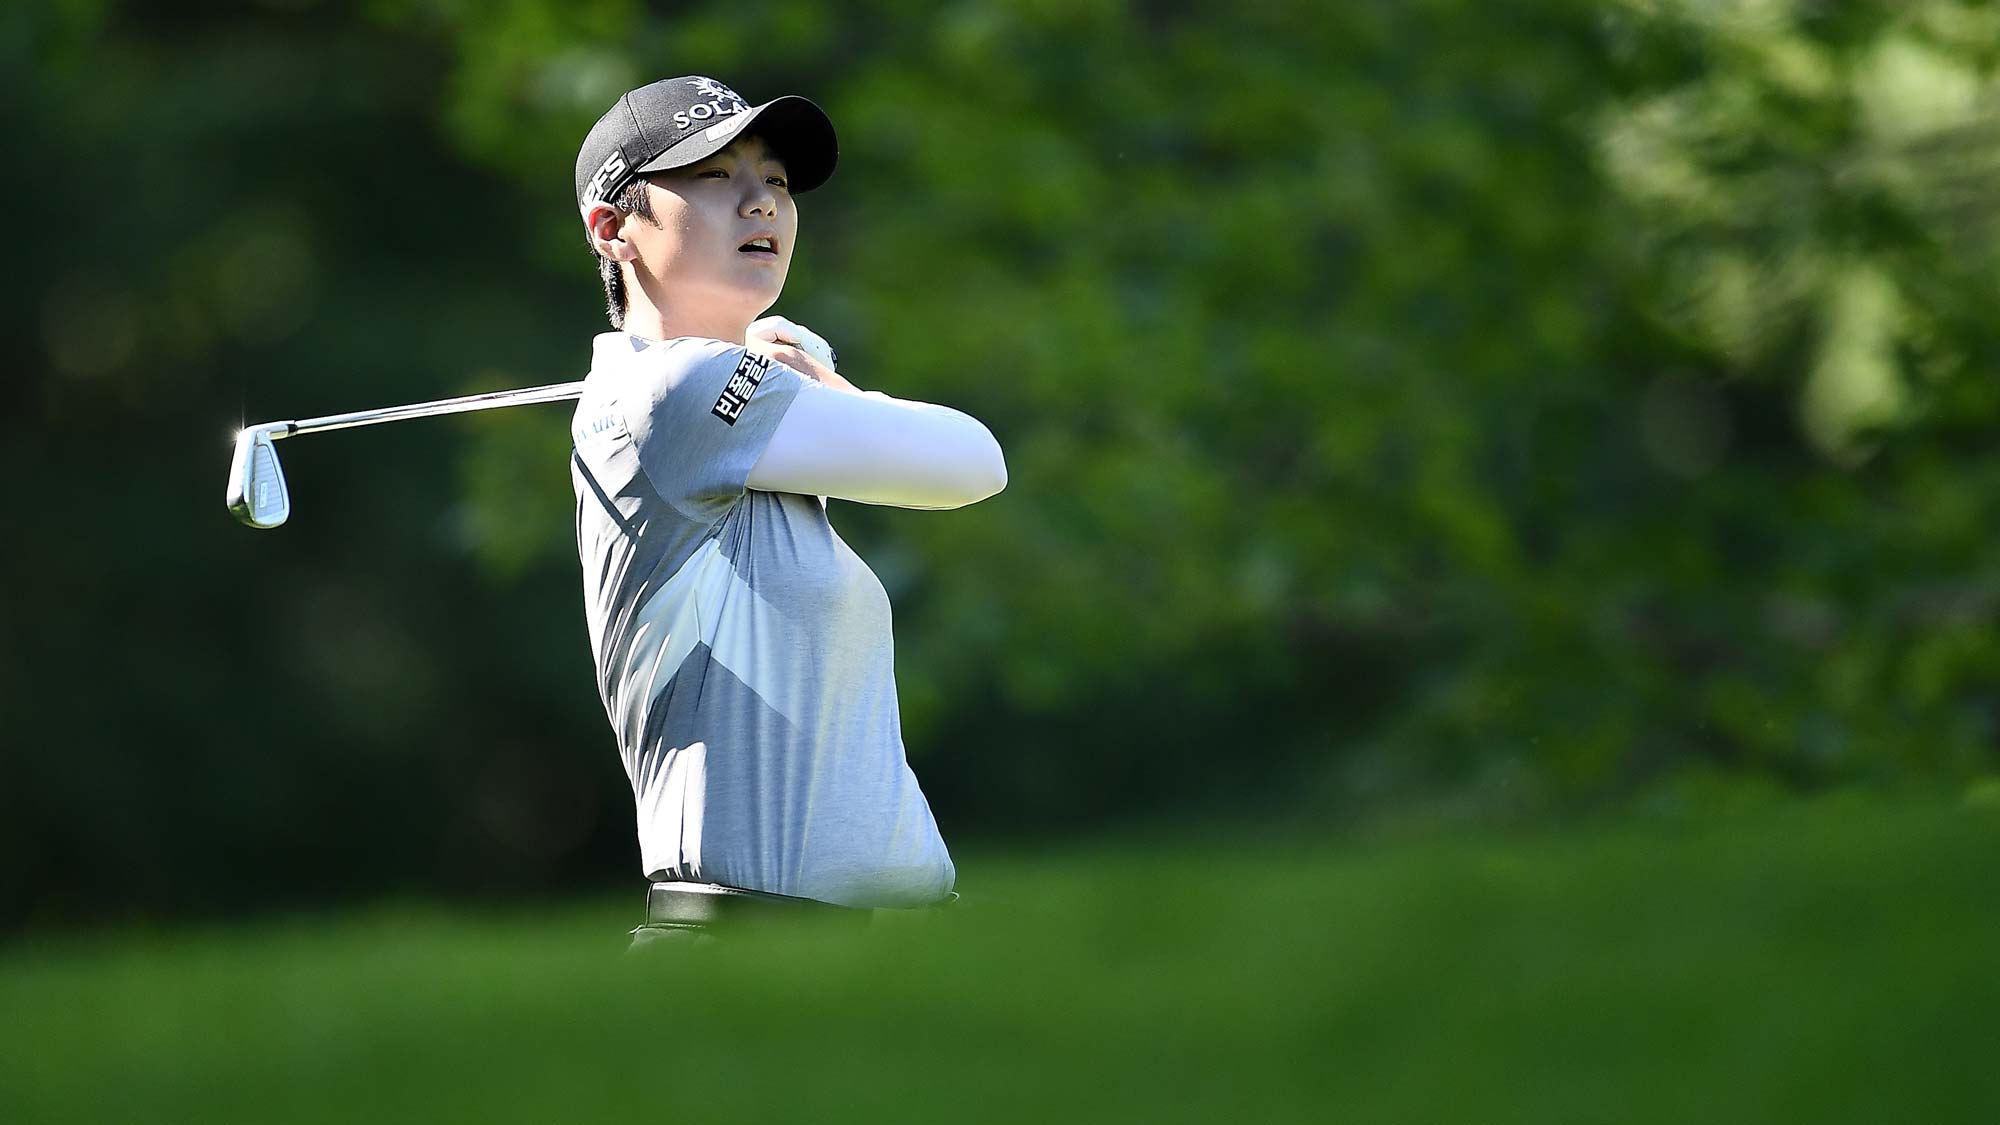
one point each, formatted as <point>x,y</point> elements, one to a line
<point>778,182</point>
<point>722,173</point>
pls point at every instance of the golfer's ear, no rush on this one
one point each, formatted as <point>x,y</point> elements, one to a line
<point>606,226</point>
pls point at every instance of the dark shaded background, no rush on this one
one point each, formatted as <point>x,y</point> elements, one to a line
<point>1433,411</point>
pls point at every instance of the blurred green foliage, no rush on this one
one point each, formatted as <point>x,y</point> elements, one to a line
<point>1826,964</point>
<point>1489,408</point>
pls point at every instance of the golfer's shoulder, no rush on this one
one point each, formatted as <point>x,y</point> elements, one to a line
<point>665,364</point>
<point>690,358</point>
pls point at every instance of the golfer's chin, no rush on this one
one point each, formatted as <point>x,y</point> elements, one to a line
<point>758,288</point>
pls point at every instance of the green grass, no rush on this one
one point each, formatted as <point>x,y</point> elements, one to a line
<point>1832,962</point>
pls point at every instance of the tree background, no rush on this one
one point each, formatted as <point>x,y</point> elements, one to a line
<point>1438,411</point>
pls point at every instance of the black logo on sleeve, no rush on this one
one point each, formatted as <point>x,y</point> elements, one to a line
<point>749,372</point>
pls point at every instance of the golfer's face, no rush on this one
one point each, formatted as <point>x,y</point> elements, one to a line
<point>726,229</point>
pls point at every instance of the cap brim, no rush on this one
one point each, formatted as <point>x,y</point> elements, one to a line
<point>796,129</point>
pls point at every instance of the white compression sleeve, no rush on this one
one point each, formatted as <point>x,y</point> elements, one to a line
<point>875,449</point>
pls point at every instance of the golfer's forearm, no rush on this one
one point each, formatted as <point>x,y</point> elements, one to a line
<point>875,449</point>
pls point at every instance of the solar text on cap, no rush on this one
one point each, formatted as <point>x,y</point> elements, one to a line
<point>722,102</point>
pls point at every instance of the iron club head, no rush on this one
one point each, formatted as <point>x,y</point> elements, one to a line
<point>257,492</point>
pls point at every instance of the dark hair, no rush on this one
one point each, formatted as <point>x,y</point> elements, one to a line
<point>632,199</point>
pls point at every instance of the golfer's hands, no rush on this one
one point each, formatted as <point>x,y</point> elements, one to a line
<point>794,345</point>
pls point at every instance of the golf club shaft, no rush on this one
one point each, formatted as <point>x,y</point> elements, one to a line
<point>554,392</point>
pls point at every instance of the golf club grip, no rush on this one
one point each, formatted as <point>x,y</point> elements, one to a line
<point>491,400</point>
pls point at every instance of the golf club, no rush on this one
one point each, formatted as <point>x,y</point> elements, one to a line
<point>257,492</point>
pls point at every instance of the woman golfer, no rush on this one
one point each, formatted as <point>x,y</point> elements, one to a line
<point>743,650</point>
